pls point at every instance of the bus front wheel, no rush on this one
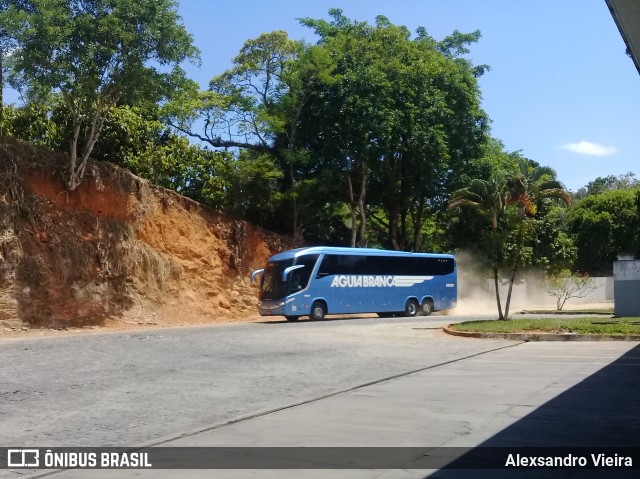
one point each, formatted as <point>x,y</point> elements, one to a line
<point>411,308</point>
<point>292,318</point>
<point>318,311</point>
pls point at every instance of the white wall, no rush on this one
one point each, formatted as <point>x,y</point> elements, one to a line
<point>529,294</point>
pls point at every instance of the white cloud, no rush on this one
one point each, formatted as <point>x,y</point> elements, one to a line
<point>588,148</point>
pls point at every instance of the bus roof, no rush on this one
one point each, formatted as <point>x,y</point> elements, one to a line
<point>294,253</point>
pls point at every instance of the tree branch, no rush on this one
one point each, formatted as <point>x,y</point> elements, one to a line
<point>218,142</point>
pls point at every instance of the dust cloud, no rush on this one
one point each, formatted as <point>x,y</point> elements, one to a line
<point>476,290</point>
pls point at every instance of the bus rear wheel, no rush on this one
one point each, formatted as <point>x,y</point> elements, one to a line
<point>318,311</point>
<point>426,308</point>
<point>411,308</point>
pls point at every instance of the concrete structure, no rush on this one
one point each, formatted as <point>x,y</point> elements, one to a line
<point>626,14</point>
<point>626,273</point>
<point>516,395</point>
<point>531,293</point>
<point>626,287</point>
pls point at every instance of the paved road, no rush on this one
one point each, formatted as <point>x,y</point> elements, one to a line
<point>133,388</point>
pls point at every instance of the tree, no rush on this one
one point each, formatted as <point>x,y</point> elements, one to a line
<point>551,247</point>
<point>243,185</point>
<point>606,183</point>
<point>477,213</point>
<point>488,199</point>
<point>388,121</point>
<point>11,14</point>
<point>240,108</point>
<point>257,104</point>
<point>564,285</point>
<point>508,202</point>
<point>402,119</point>
<point>527,189</point>
<point>604,226</point>
<point>94,55</point>
<point>32,123</point>
<point>129,132</point>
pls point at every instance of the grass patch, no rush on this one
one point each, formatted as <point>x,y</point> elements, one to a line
<point>554,325</point>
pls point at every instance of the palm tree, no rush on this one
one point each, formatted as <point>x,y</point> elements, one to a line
<point>488,198</point>
<point>532,184</point>
<point>528,188</point>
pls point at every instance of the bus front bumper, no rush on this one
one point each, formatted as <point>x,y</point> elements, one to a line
<point>278,308</point>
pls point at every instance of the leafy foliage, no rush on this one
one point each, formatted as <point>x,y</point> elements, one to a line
<point>32,123</point>
<point>604,226</point>
<point>400,121</point>
<point>94,54</point>
<point>372,136</point>
<point>242,187</point>
<point>184,168</point>
<point>511,202</point>
<point>388,121</point>
<point>606,183</point>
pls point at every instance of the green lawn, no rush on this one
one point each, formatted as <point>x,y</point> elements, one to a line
<point>593,325</point>
<point>568,311</point>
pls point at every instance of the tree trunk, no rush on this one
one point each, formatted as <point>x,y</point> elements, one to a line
<point>497,285</point>
<point>352,210</point>
<point>291,148</point>
<point>74,181</point>
<point>403,228</point>
<point>496,279</point>
<point>294,200</point>
<point>1,94</point>
<point>361,198</point>
<point>511,280</point>
<point>76,168</point>
<point>396,237</point>
<point>393,231</point>
<point>419,218</point>
<point>516,260</point>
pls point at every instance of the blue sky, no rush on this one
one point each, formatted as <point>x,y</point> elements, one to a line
<point>561,87</point>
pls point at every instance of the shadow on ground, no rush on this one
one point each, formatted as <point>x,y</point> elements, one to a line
<point>600,412</point>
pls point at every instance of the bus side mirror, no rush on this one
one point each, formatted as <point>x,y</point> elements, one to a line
<point>285,273</point>
<point>256,273</point>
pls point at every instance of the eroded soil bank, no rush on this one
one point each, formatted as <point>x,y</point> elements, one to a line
<point>117,250</point>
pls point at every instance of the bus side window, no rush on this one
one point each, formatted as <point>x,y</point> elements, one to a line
<point>328,266</point>
<point>341,264</point>
<point>300,277</point>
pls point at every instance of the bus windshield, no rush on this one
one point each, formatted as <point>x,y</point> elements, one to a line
<point>272,285</point>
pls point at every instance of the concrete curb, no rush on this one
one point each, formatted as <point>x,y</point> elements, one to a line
<point>543,336</point>
<point>566,313</point>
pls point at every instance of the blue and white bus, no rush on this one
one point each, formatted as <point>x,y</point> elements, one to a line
<point>324,280</point>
